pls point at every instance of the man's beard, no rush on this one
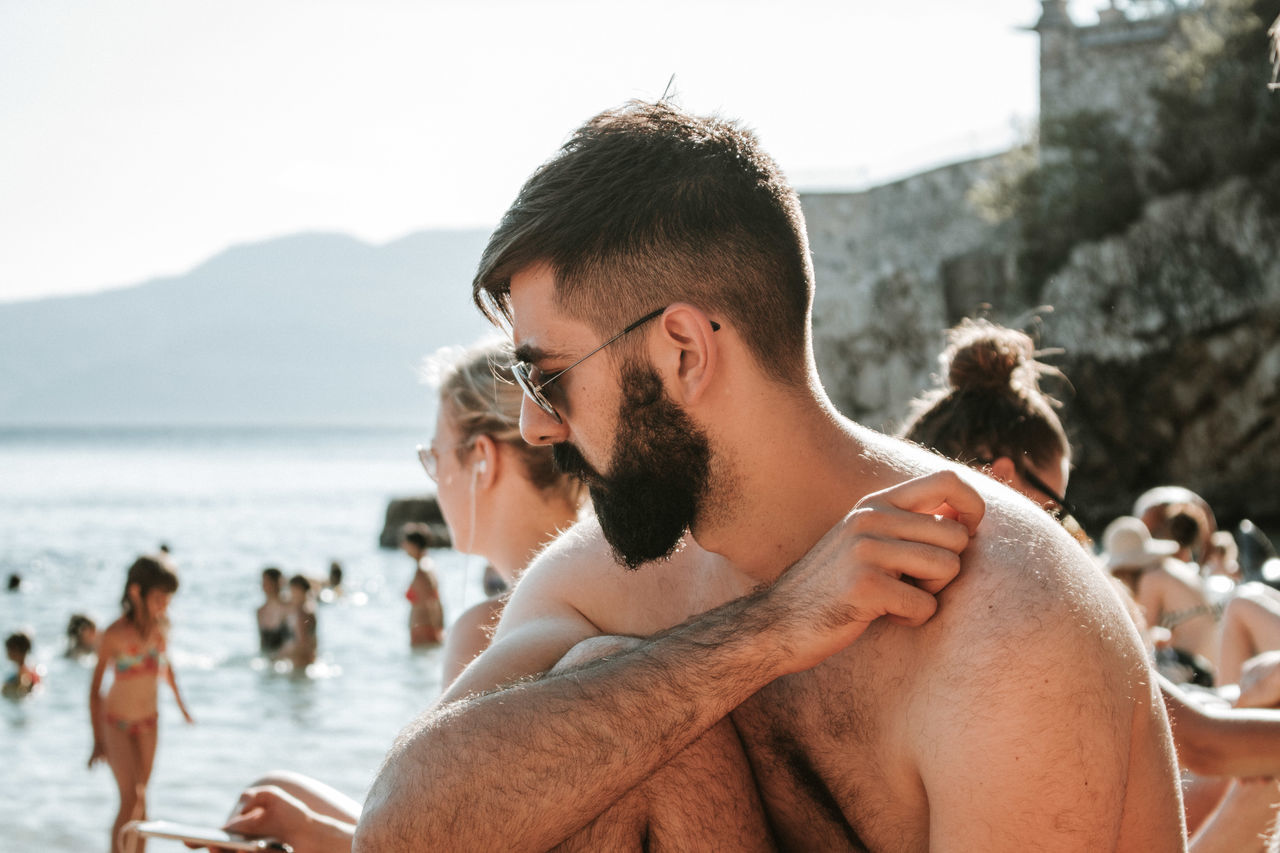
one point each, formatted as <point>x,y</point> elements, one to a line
<point>657,476</point>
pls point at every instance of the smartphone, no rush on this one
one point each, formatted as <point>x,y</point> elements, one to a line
<point>206,835</point>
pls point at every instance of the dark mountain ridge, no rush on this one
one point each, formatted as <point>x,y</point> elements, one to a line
<point>310,328</point>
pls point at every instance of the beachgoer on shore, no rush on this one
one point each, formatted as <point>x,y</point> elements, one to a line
<point>502,498</point>
<point>125,720</point>
<point>1170,592</point>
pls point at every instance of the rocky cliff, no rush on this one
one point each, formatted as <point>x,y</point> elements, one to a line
<point>1170,331</point>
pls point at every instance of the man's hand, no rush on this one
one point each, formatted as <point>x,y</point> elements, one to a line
<point>271,812</point>
<point>888,557</point>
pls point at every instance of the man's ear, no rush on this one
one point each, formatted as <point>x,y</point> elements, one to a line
<point>693,350</point>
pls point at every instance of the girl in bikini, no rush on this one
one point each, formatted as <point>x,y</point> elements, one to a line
<point>124,721</point>
<point>426,614</point>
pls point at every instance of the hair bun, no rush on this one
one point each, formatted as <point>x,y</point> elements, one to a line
<point>983,356</point>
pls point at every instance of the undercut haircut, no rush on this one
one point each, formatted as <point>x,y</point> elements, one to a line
<point>647,205</point>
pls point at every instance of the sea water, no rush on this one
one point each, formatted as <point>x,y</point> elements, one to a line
<point>78,505</point>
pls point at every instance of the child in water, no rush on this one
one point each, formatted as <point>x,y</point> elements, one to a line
<point>301,648</point>
<point>82,636</point>
<point>17,646</point>
<point>124,721</point>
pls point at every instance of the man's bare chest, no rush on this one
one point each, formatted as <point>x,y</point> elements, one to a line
<point>827,750</point>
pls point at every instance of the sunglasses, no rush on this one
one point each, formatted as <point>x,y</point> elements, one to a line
<point>533,385</point>
<point>431,461</point>
<point>1064,506</point>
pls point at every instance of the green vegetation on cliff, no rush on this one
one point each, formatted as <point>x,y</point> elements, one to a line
<point>1215,119</point>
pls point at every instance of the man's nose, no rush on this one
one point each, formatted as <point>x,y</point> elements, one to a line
<point>538,427</point>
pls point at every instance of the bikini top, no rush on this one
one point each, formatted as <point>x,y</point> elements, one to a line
<point>433,593</point>
<point>274,639</point>
<point>147,662</point>
<point>1177,617</point>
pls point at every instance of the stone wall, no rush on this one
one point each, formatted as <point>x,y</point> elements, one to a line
<point>1109,66</point>
<point>895,266</point>
<point>1171,331</point>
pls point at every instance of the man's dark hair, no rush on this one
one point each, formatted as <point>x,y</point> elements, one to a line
<point>273,573</point>
<point>647,205</point>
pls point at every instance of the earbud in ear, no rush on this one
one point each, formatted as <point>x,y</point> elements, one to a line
<point>481,466</point>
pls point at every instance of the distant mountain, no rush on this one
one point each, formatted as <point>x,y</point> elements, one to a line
<point>312,328</point>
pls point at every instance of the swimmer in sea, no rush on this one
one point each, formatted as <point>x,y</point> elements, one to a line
<point>301,648</point>
<point>426,614</point>
<point>22,681</point>
<point>273,624</point>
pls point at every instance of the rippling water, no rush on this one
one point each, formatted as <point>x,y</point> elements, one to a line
<point>76,507</point>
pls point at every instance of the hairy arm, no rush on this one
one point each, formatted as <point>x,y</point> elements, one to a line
<point>1051,736</point>
<point>540,759</point>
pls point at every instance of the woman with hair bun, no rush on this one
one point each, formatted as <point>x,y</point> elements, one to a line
<point>992,414</point>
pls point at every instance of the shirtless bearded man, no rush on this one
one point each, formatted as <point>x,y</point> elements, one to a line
<point>1020,716</point>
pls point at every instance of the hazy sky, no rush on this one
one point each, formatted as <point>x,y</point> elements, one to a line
<point>141,137</point>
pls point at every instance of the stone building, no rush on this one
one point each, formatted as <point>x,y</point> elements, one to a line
<point>1111,65</point>
<point>1171,330</point>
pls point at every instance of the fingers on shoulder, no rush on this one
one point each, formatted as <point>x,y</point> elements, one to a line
<point>921,560</point>
<point>946,492</point>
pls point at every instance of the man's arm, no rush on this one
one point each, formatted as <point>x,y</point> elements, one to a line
<point>539,760</point>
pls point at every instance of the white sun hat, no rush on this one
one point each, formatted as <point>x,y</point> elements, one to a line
<point>1127,544</point>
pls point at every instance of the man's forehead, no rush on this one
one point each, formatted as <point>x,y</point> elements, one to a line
<point>539,329</point>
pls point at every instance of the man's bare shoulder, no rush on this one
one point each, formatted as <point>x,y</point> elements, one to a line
<point>1023,577</point>
<point>579,570</point>
<point>1032,608</point>
<point>578,561</point>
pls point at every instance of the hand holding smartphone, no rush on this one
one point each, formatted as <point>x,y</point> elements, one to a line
<point>203,835</point>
